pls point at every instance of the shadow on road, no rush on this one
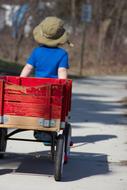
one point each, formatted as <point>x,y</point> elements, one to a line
<point>91,138</point>
<point>92,110</point>
<point>80,165</point>
<point>97,81</point>
<point>84,165</point>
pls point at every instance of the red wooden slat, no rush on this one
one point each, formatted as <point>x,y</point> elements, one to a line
<point>30,81</point>
<point>37,90</point>
<point>13,79</point>
<point>32,99</point>
<point>70,93</point>
<point>43,100</point>
<point>24,109</point>
<point>3,78</point>
<point>16,89</point>
<point>56,112</point>
<point>1,99</point>
<point>25,98</point>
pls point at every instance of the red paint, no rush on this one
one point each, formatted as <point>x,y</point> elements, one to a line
<point>1,97</point>
<point>36,97</point>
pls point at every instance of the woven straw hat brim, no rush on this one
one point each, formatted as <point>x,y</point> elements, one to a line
<point>41,39</point>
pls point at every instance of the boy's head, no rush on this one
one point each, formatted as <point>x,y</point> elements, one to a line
<point>50,32</point>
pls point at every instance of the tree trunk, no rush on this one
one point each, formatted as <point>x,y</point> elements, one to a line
<point>101,42</point>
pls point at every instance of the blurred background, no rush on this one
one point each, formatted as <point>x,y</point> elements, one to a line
<point>97,28</point>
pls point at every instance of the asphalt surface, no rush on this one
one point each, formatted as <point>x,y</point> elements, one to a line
<point>98,158</point>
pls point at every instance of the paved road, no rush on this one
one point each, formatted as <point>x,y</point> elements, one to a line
<point>99,156</point>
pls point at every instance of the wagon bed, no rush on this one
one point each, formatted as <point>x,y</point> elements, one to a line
<point>41,105</point>
<point>34,103</point>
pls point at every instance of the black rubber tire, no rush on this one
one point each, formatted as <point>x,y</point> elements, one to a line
<point>3,141</point>
<point>67,134</point>
<point>59,160</point>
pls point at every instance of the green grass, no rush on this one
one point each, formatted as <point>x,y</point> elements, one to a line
<point>10,68</point>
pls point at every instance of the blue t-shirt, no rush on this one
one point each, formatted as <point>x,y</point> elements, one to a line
<point>47,60</point>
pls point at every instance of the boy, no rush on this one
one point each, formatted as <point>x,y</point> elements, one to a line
<point>48,60</point>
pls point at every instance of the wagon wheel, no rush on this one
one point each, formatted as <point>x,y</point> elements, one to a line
<point>3,141</point>
<point>53,146</point>
<point>59,161</point>
<point>67,134</point>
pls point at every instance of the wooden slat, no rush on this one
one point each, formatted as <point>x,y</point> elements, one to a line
<point>30,81</point>
<point>33,110</point>
<point>31,123</point>
<point>3,78</point>
<point>25,109</point>
<point>17,89</point>
<point>13,79</point>
<point>42,90</point>
<point>26,98</point>
<point>32,99</point>
<point>29,127</point>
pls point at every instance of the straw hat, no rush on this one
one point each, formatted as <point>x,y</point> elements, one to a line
<point>50,32</point>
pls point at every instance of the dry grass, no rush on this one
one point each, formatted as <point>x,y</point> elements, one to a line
<point>123,101</point>
<point>110,63</point>
<point>123,163</point>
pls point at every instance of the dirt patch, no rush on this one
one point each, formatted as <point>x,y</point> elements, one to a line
<point>124,103</point>
<point>123,163</point>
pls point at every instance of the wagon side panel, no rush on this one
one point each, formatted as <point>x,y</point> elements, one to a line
<point>41,105</point>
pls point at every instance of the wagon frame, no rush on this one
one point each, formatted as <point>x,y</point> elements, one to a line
<point>37,104</point>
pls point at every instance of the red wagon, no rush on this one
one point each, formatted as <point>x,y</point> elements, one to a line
<point>37,104</point>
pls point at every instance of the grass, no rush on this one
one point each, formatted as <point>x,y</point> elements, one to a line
<point>9,68</point>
